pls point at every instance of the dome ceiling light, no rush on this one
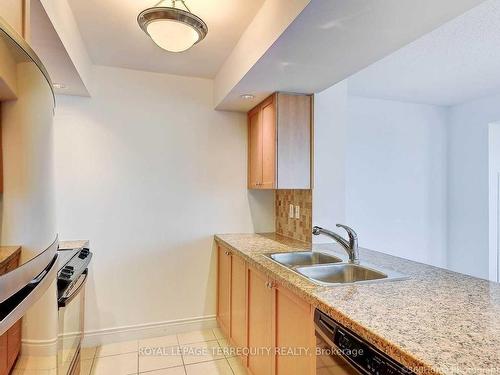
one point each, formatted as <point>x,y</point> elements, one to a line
<point>171,28</point>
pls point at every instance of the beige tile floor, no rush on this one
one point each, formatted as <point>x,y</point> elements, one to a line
<point>192,353</point>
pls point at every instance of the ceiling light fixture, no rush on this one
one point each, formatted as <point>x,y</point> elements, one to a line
<point>58,85</point>
<point>171,28</point>
<point>247,96</point>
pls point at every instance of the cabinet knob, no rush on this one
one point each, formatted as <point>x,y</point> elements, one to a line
<point>227,252</point>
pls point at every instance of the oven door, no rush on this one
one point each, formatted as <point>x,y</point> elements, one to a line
<point>71,315</point>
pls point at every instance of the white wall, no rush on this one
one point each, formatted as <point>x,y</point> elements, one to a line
<point>148,171</point>
<point>330,116</point>
<point>396,177</point>
<point>416,177</point>
<point>494,202</point>
<point>468,225</point>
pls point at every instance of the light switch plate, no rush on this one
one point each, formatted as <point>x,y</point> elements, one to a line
<point>297,212</point>
<point>290,211</point>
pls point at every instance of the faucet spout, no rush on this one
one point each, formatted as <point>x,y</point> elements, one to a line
<point>351,246</point>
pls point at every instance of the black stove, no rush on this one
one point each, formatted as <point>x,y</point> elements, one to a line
<point>73,263</point>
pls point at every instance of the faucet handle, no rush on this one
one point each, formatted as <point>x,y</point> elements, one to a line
<point>353,236</point>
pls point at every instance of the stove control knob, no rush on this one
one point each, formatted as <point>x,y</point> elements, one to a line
<point>65,274</point>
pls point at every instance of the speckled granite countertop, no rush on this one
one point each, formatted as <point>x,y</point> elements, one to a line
<point>437,321</point>
<point>74,244</point>
<point>7,253</point>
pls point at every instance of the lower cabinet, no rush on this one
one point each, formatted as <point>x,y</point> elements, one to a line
<point>260,323</point>
<point>270,321</point>
<point>224,289</point>
<point>238,302</point>
<point>10,341</point>
<point>232,296</point>
<point>13,343</point>
<point>3,355</point>
<point>294,333</point>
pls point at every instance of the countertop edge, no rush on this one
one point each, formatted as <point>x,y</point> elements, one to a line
<point>73,244</point>
<point>407,359</point>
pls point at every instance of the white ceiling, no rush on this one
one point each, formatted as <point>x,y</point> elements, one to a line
<point>112,36</point>
<point>331,40</point>
<point>455,63</point>
<point>51,51</point>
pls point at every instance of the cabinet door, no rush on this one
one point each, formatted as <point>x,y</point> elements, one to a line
<point>238,301</point>
<point>3,354</point>
<point>294,135</point>
<point>254,149</point>
<point>224,289</point>
<point>12,12</point>
<point>260,324</point>
<point>13,343</point>
<point>294,331</point>
<point>269,143</point>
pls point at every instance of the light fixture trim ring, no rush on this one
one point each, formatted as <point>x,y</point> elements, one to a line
<point>153,14</point>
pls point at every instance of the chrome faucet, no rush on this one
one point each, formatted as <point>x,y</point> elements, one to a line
<point>351,246</point>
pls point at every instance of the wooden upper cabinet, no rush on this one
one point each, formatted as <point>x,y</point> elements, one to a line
<point>254,149</point>
<point>279,142</point>
<point>268,110</point>
<point>16,13</point>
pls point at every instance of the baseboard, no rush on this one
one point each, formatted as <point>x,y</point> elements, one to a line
<point>142,331</point>
<point>38,348</point>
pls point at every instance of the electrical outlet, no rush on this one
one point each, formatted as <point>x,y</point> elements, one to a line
<point>290,211</point>
<point>297,212</point>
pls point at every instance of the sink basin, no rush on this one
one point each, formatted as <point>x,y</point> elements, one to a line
<point>304,258</point>
<point>346,273</point>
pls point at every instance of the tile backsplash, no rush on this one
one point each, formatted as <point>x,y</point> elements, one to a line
<point>299,229</point>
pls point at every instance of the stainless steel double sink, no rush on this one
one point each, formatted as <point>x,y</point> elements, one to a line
<point>327,269</point>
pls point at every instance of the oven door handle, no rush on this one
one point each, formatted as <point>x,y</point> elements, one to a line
<point>63,301</point>
<point>321,334</point>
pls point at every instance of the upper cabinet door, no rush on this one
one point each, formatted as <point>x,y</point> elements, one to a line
<point>279,137</point>
<point>294,141</point>
<point>269,144</point>
<point>13,11</point>
<point>254,149</point>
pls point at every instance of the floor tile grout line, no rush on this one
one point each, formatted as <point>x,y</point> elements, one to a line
<point>184,365</point>
<point>158,369</point>
<point>182,356</point>
<point>114,355</point>
<point>92,366</point>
